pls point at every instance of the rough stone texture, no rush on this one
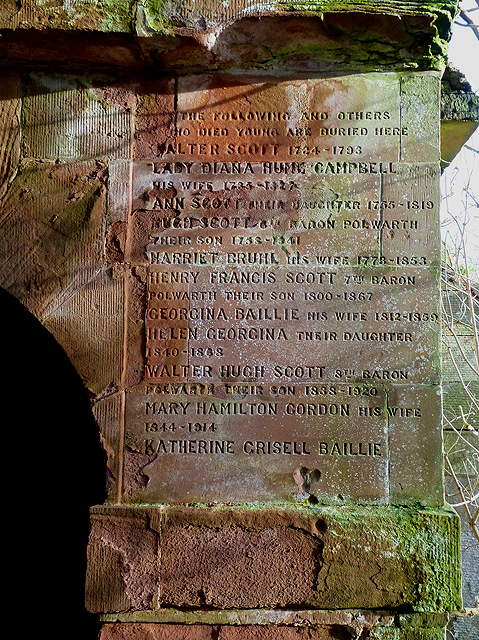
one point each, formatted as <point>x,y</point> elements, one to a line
<point>63,117</point>
<point>208,115</point>
<point>10,116</point>
<point>154,117</point>
<point>356,621</point>
<point>413,447</point>
<point>459,102</point>
<point>208,35</point>
<point>135,631</point>
<point>282,633</point>
<point>52,219</point>
<point>122,563</point>
<point>326,626</point>
<point>54,215</point>
<point>251,557</point>
<point>205,567</point>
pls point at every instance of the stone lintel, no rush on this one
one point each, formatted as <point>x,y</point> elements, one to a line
<point>149,17</point>
<point>322,35</point>
<point>148,560</point>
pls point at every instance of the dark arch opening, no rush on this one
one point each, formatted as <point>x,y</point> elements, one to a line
<point>53,473</point>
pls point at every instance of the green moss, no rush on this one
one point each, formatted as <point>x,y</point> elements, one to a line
<point>434,47</point>
<point>395,556</point>
<point>158,14</point>
<point>393,7</point>
<point>117,15</point>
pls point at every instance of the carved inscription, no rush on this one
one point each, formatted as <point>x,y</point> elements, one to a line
<point>290,324</point>
<point>291,283</point>
<point>293,120</point>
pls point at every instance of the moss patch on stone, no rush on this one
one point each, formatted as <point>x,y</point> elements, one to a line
<point>351,557</point>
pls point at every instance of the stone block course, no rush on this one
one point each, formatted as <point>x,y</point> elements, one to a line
<point>139,631</point>
<point>262,557</point>
<point>328,629</point>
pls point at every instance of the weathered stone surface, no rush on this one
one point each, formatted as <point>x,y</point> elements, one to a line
<point>460,106</point>
<point>416,187</point>
<point>222,266</point>
<point>420,113</point>
<point>154,117</point>
<point>128,201</point>
<point>354,34</point>
<point>254,632</point>
<point>154,16</point>
<point>10,117</point>
<point>52,219</point>
<point>90,15</point>
<point>300,113</point>
<point>158,632</point>
<point>63,118</point>
<point>414,447</point>
<point>302,226</point>
<point>107,410</point>
<point>356,622</point>
<point>356,470</point>
<point>255,557</point>
<point>322,625</point>
<point>204,567</point>
<point>122,564</point>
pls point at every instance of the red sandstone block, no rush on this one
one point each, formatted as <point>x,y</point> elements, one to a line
<point>237,568</point>
<point>147,631</point>
<point>272,632</point>
<point>144,559</point>
<point>154,117</point>
<point>122,565</point>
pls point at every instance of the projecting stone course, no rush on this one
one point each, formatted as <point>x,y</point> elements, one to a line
<point>324,625</point>
<point>248,558</point>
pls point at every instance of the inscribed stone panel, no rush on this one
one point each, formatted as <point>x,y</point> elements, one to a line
<point>281,271</point>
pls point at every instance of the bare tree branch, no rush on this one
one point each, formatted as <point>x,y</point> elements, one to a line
<point>468,21</point>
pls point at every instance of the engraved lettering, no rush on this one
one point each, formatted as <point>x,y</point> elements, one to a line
<point>260,447</point>
<point>237,408</point>
<point>372,449</point>
<point>315,409</point>
<point>189,446</point>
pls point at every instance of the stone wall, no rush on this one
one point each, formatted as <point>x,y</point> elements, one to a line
<point>273,443</point>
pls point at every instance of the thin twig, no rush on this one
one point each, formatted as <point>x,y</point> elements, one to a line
<point>465,502</point>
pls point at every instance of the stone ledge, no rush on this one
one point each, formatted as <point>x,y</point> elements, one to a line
<point>266,557</point>
<point>460,106</point>
<point>277,36</point>
<point>160,16</point>
<point>355,620</point>
<point>459,113</point>
<point>322,625</point>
